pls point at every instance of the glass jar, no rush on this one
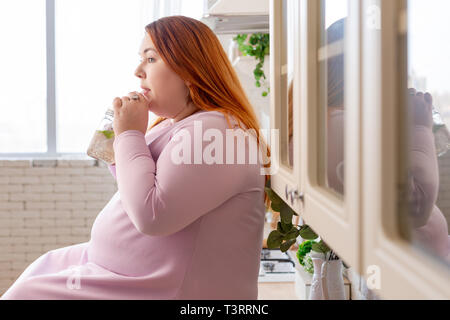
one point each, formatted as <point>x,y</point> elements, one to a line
<point>101,146</point>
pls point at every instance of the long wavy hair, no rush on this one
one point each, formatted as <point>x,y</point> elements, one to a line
<point>192,50</point>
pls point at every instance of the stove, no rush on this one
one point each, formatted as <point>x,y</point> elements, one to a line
<point>276,266</point>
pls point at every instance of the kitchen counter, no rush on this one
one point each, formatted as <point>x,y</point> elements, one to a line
<point>276,291</point>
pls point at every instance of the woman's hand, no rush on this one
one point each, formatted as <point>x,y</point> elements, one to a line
<point>130,114</point>
<point>422,108</point>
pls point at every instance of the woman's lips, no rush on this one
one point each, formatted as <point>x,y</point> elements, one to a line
<point>145,92</point>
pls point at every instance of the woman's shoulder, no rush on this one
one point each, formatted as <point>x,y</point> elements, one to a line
<point>213,119</point>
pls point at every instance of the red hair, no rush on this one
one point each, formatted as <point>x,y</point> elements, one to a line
<point>192,50</point>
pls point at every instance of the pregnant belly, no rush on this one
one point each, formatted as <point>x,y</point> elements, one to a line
<point>434,235</point>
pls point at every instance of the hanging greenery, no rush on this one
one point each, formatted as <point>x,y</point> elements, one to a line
<point>258,46</point>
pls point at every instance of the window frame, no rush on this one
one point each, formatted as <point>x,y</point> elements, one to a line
<point>51,139</point>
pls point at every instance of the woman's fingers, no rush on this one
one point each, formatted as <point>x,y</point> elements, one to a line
<point>428,98</point>
<point>117,103</point>
<point>412,91</point>
<point>120,102</point>
<point>134,93</point>
<point>421,105</point>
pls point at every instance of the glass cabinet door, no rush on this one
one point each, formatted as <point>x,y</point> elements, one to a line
<point>284,36</point>
<point>330,96</point>
<point>426,217</point>
<point>406,120</point>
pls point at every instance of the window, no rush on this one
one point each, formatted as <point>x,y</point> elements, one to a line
<point>23,76</point>
<point>66,85</point>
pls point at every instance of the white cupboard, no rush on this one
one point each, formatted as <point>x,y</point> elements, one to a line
<point>357,154</point>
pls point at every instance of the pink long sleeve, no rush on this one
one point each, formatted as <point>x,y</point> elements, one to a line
<point>112,169</point>
<point>164,197</point>
<point>182,232</point>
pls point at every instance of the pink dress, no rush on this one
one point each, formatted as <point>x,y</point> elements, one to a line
<point>171,231</point>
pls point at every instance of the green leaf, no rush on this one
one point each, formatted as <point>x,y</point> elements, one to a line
<point>276,206</point>
<point>284,228</point>
<point>280,229</point>
<point>292,234</point>
<point>274,240</point>
<point>286,213</point>
<point>269,192</point>
<point>316,247</point>
<point>258,46</point>
<point>276,198</point>
<point>320,247</point>
<point>286,245</point>
<point>324,246</point>
<point>305,247</point>
<point>273,196</point>
<point>307,233</point>
<point>258,72</point>
<point>108,133</point>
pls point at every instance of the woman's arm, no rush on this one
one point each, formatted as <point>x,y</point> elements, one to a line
<point>163,198</point>
<point>423,175</point>
<point>112,169</point>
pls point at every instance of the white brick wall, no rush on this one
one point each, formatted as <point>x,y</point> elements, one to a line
<point>47,204</point>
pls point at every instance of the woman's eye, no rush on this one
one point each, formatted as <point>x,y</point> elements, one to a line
<point>148,59</point>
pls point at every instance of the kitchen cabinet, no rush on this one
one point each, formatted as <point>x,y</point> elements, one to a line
<point>285,120</point>
<point>339,74</point>
<point>310,131</point>
<point>396,155</point>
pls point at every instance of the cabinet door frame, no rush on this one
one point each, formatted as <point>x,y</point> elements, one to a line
<point>399,269</point>
<point>285,178</point>
<point>335,219</point>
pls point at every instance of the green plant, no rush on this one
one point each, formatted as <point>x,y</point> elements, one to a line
<point>286,233</point>
<point>308,264</point>
<point>258,46</point>
<point>303,255</point>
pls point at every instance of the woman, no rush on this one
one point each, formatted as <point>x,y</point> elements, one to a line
<point>175,229</point>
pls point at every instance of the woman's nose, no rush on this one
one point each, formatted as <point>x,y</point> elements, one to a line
<point>138,73</point>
